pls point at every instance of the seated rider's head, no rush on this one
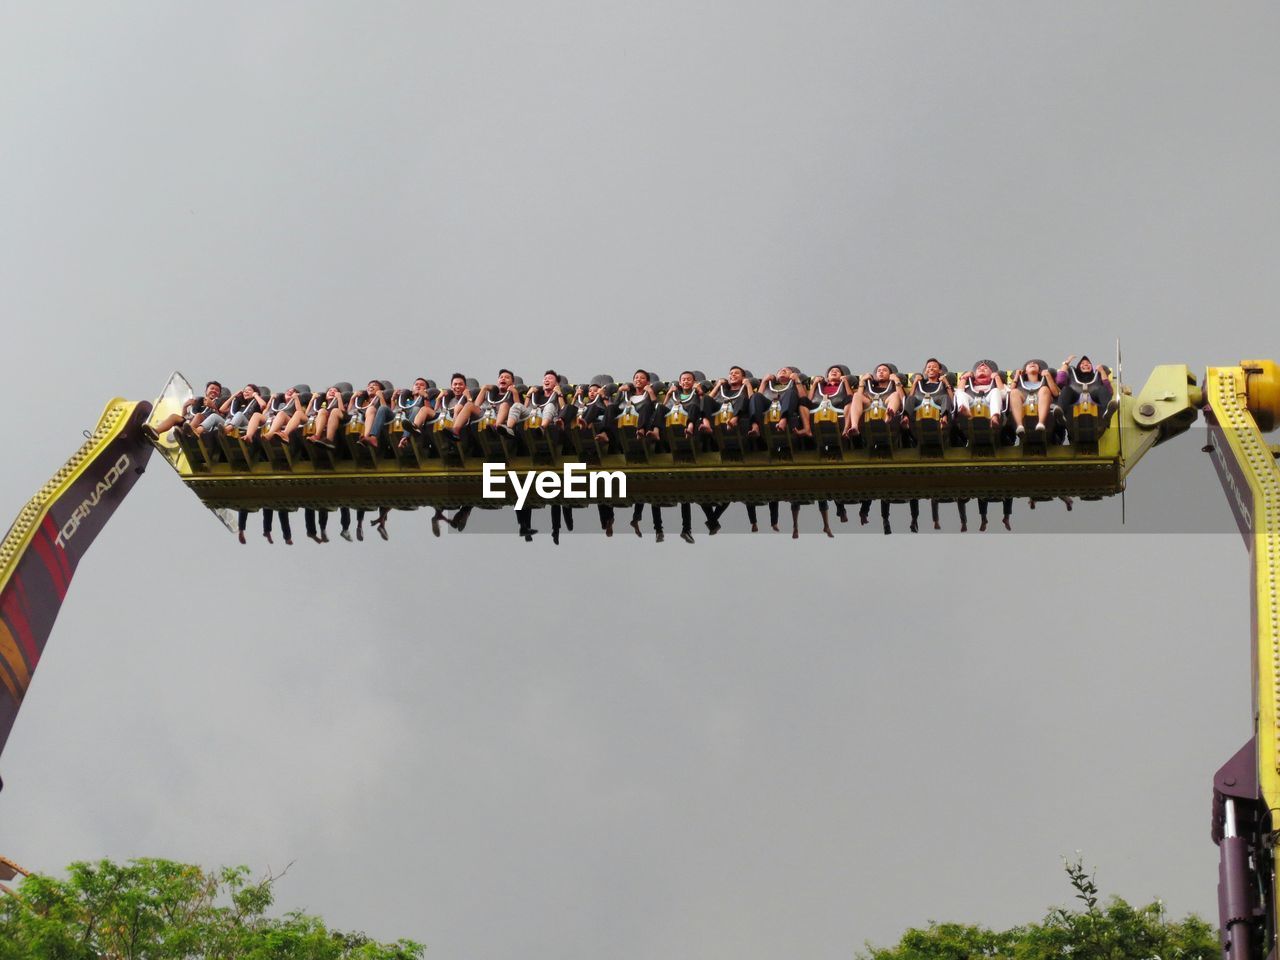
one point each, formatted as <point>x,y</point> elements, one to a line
<point>640,379</point>
<point>505,379</point>
<point>420,386</point>
<point>1031,370</point>
<point>686,380</point>
<point>550,380</point>
<point>458,384</point>
<point>248,391</point>
<point>213,389</point>
<point>332,393</point>
<point>982,372</point>
<point>1085,365</point>
<point>374,386</point>
<point>736,376</point>
<point>932,368</point>
<point>882,373</point>
<point>834,375</point>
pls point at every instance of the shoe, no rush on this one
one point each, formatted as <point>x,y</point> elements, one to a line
<point>1021,431</point>
<point>915,526</point>
<point>686,536</point>
<point>842,515</point>
<point>360,531</point>
<point>240,536</point>
<point>1007,525</point>
<point>713,528</point>
<point>658,536</point>
<point>435,526</point>
<point>887,529</point>
<point>268,536</point>
<point>555,537</point>
<point>608,529</point>
<point>382,531</point>
<point>345,535</point>
<point>459,523</point>
<point>568,520</point>
<point>982,527</point>
<point>755,528</point>
<point>315,537</point>
<point>635,525</point>
<point>1040,428</point>
<point>528,535</point>
<point>288,542</point>
<point>324,537</point>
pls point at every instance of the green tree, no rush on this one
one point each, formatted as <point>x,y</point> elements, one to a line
<point>160,910</point>
<point>1092,931</point>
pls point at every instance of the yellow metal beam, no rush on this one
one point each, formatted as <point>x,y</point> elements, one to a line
<point>1240,398</point>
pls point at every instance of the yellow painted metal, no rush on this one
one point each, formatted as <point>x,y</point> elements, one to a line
<point>1234,395</point>
<point>115,417</point>
<point>1262,392</point>
<point>417,479</point>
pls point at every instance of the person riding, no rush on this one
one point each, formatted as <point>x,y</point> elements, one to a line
<point>545,401</point>
<point>329,413</point>
<point>591,409</point>
<point>835,390</point>
<point>982,383</point>
<point>377,410</point>
<point>193,413</point>
<point>687,393</point>
<point>784,389</point>
<point>495,400</point>
<point>455,405</point>
<point>734,391</point>
<point>931,386</point>
<point>284,412</point>
<point>1032,381</point>
<point>407,404</point>
<point>241,408</point>
<point>881,385</point>
<point>1083,379</point>
<point>640,396</point>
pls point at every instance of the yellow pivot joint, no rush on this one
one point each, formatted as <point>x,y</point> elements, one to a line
<point>1262,392</point>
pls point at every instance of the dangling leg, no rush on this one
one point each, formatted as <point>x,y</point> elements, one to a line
<point>915,516</point>
<point>884,516</point>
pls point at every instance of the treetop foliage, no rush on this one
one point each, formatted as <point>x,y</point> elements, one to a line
<point>1093,931</point>
<point>161,910</point>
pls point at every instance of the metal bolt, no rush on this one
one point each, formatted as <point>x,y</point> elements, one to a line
<point>1147,410</point>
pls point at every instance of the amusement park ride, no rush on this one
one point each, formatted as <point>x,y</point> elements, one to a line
<point>40,553</point>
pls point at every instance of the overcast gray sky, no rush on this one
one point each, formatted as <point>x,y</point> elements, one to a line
<point>753,747</point>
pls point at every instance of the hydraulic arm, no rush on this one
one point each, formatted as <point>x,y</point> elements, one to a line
<point>1242,403</point>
